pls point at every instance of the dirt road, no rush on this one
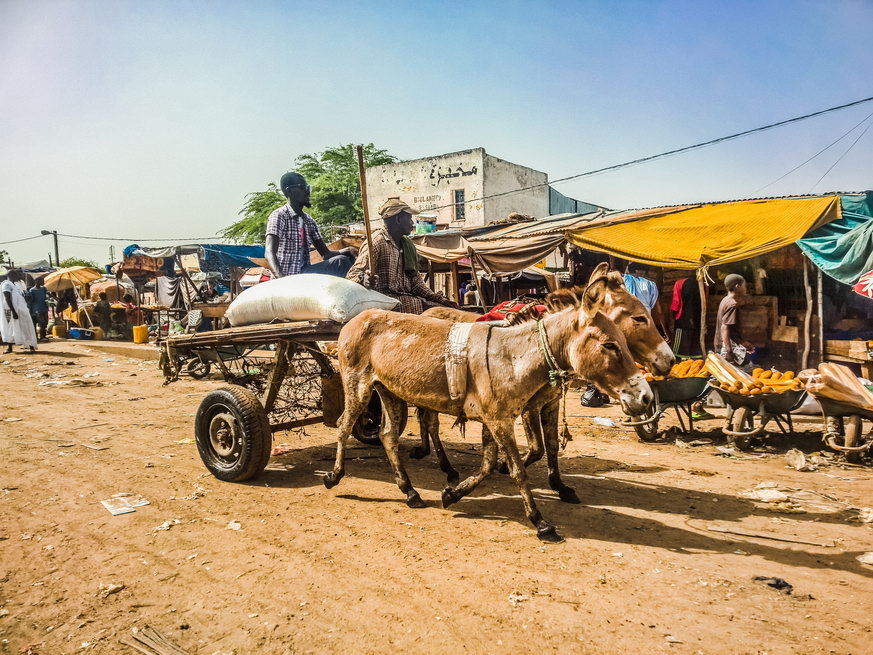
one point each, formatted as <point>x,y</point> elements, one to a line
<point>353,570</point>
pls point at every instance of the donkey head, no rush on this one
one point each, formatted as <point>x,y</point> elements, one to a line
<point>645,343</point>
<point>598,352</point>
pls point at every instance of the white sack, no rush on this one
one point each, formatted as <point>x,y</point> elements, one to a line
<point>305,297</point>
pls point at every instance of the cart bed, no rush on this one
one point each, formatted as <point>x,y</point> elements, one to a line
<point>261,333</point>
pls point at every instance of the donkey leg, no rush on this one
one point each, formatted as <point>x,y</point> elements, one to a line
<point>433,428</point>
<point>357,396</point>
<point>423,450</point>
<point>530,419</point>
<point>489,461</point>
<point>549,416</point>
<point>392,408</point>
<point>504,434</point>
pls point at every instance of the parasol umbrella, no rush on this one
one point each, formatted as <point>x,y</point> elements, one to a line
<point>864,286</point>
<point>66,278</point>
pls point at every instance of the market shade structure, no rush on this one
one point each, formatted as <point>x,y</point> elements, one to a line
<point>67,278</point>
<point>696,236</point>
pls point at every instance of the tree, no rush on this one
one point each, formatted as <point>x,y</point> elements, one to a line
<point>77,261</point>
<point>336,195</point>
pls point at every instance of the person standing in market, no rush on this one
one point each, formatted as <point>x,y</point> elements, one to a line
<point>291,232</point>
<point>395,265</point>
<point>39,307</point>
<point>16,326</point>
<point>103,312</point>
<point>729,342</point>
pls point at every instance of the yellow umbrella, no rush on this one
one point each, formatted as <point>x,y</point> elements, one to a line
<point>66,278</point>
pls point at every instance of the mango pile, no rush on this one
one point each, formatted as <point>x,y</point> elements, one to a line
<point>687,368</point>
<point>733,380</point>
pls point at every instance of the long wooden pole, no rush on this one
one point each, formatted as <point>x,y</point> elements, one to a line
<point>807,317</point>
<point>702,287</point>
<point>362,178</point>
<point>821,339</point>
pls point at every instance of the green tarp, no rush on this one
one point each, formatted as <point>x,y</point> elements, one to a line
<point>843,249</point>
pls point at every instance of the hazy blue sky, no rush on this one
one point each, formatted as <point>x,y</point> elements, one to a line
<point>154,119</point>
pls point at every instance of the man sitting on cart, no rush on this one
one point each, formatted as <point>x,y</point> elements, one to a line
<point>291,232</point>
<point>395,266</point>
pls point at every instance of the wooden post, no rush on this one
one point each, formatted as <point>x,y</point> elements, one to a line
<point>479,289</point>
<point>453,268</point>
<point>821,339</point>
<point>702,286</point>
<point>362,178</point>
<point>807,318</point>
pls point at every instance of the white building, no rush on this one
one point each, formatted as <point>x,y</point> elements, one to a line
<point>450,188</point>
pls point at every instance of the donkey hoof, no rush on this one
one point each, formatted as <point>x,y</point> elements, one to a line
<point>448,497</point>
<point>417,452</point>
<point>547,533</point>
<point>568,495</point>
<point>330,480</point>
<point>503,467</point>
<point>452,477</point>
<point>414,501</point>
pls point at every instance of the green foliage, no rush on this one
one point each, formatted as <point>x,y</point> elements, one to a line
<point>77,261</point>
<point>336,196</point>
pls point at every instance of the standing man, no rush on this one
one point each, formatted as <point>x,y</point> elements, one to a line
<point>39,306</point>
<point>729,342</point>
<point>291,232</point>
<point>395,269</point>
<point>16,326</point>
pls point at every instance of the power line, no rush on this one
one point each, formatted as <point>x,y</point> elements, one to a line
<point>661,155</point>
<point>848,150</point>
<point>3,243</point>
<point>827,147</point>
<point>132,240</point>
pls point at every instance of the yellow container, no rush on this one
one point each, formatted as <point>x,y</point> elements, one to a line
<point>140,333</point>
<point>60,331</point>
<point>98,333</point>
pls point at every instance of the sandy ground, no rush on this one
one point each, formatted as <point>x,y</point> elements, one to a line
<point>353,570</point>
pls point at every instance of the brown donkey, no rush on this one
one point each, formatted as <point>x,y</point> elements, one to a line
<point>540,416</point>
<point>505,368</point>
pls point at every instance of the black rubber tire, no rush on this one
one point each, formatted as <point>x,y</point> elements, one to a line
<point>852,430</point>
<point>198,369</point>
<point>249,444</point>
<point>647,433</point>
<point>367,428</point>
<point>742,421</point>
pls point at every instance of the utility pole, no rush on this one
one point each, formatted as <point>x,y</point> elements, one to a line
<point>54,234</point>
<point>111,254</point>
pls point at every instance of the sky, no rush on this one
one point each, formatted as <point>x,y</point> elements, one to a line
<point>153,120</point>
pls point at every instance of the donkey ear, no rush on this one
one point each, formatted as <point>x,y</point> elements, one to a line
<point>616,280</point>
<point>594,295</point>
<point>599,271</point>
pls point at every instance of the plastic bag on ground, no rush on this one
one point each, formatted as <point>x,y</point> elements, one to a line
<point>305,297</point>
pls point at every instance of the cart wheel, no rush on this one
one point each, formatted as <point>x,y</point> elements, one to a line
<point>648,432</point>
<point>233,434</point>
<point>198,368</point>
<point>369,424</point>
<point>742,421</point>
<point>852,427</point>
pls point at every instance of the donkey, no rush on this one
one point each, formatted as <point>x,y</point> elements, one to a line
<point>540,416</point>
<point>505,369</point>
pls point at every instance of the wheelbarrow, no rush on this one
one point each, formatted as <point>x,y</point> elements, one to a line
<point>844,428</point>
<point>743,409</point>
<point>679,394</point>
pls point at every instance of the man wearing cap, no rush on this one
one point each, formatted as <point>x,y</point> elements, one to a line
<point>291,232</point>
<point>395,266</point>
<point>729,342</point>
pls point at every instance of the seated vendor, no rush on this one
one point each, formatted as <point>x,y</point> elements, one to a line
<point>395,265</point>
<point>131,311</point>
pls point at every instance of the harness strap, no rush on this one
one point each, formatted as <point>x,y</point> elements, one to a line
<point>557,376</point>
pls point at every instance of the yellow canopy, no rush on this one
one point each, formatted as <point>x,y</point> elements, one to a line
<point>690,237</point>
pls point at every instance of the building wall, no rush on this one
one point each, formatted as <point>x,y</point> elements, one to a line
<point>502,176</point>
<point>429,183</point>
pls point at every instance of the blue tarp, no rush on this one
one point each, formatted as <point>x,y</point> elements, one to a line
<point>843,249</point>
<point>241,256</point>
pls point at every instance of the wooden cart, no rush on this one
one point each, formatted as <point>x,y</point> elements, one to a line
<point>281,377</point>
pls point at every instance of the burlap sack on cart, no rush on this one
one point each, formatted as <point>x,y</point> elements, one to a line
<point>837,382</point>
<point>305,297</point>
